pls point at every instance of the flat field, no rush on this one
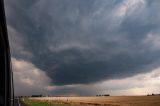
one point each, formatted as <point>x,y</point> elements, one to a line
<point>107,101</point>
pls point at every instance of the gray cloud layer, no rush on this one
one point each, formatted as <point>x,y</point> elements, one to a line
<point>85,41</point>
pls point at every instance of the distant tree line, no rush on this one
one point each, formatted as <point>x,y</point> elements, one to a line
<point>103,95</point>
<point>37,96</point>
<point>153,94</point>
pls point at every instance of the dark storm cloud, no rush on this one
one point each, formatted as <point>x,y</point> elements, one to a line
<point>74,90</point>
<point>85,41</point>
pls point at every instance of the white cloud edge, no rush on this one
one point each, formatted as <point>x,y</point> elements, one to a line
<point>28,79</point>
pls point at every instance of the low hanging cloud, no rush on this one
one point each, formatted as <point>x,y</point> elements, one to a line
<point>85,41</point>
<point>28,79</point>
<point>141,84</point>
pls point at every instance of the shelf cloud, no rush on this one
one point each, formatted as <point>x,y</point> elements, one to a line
<point>85,41</point>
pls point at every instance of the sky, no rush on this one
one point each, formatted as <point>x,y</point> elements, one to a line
<point>84,47</point>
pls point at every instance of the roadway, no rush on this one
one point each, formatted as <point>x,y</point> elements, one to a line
<point>18,102</point>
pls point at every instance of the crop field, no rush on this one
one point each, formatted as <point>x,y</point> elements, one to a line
<point>102,101</point>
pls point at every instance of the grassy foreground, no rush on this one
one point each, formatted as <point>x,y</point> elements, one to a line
<point>31,102</point>
<point>108,101</point>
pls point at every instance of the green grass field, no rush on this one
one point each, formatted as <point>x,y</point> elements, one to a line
<point>30,102</point>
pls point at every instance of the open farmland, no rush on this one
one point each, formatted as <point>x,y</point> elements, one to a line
<point>107,101</point>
